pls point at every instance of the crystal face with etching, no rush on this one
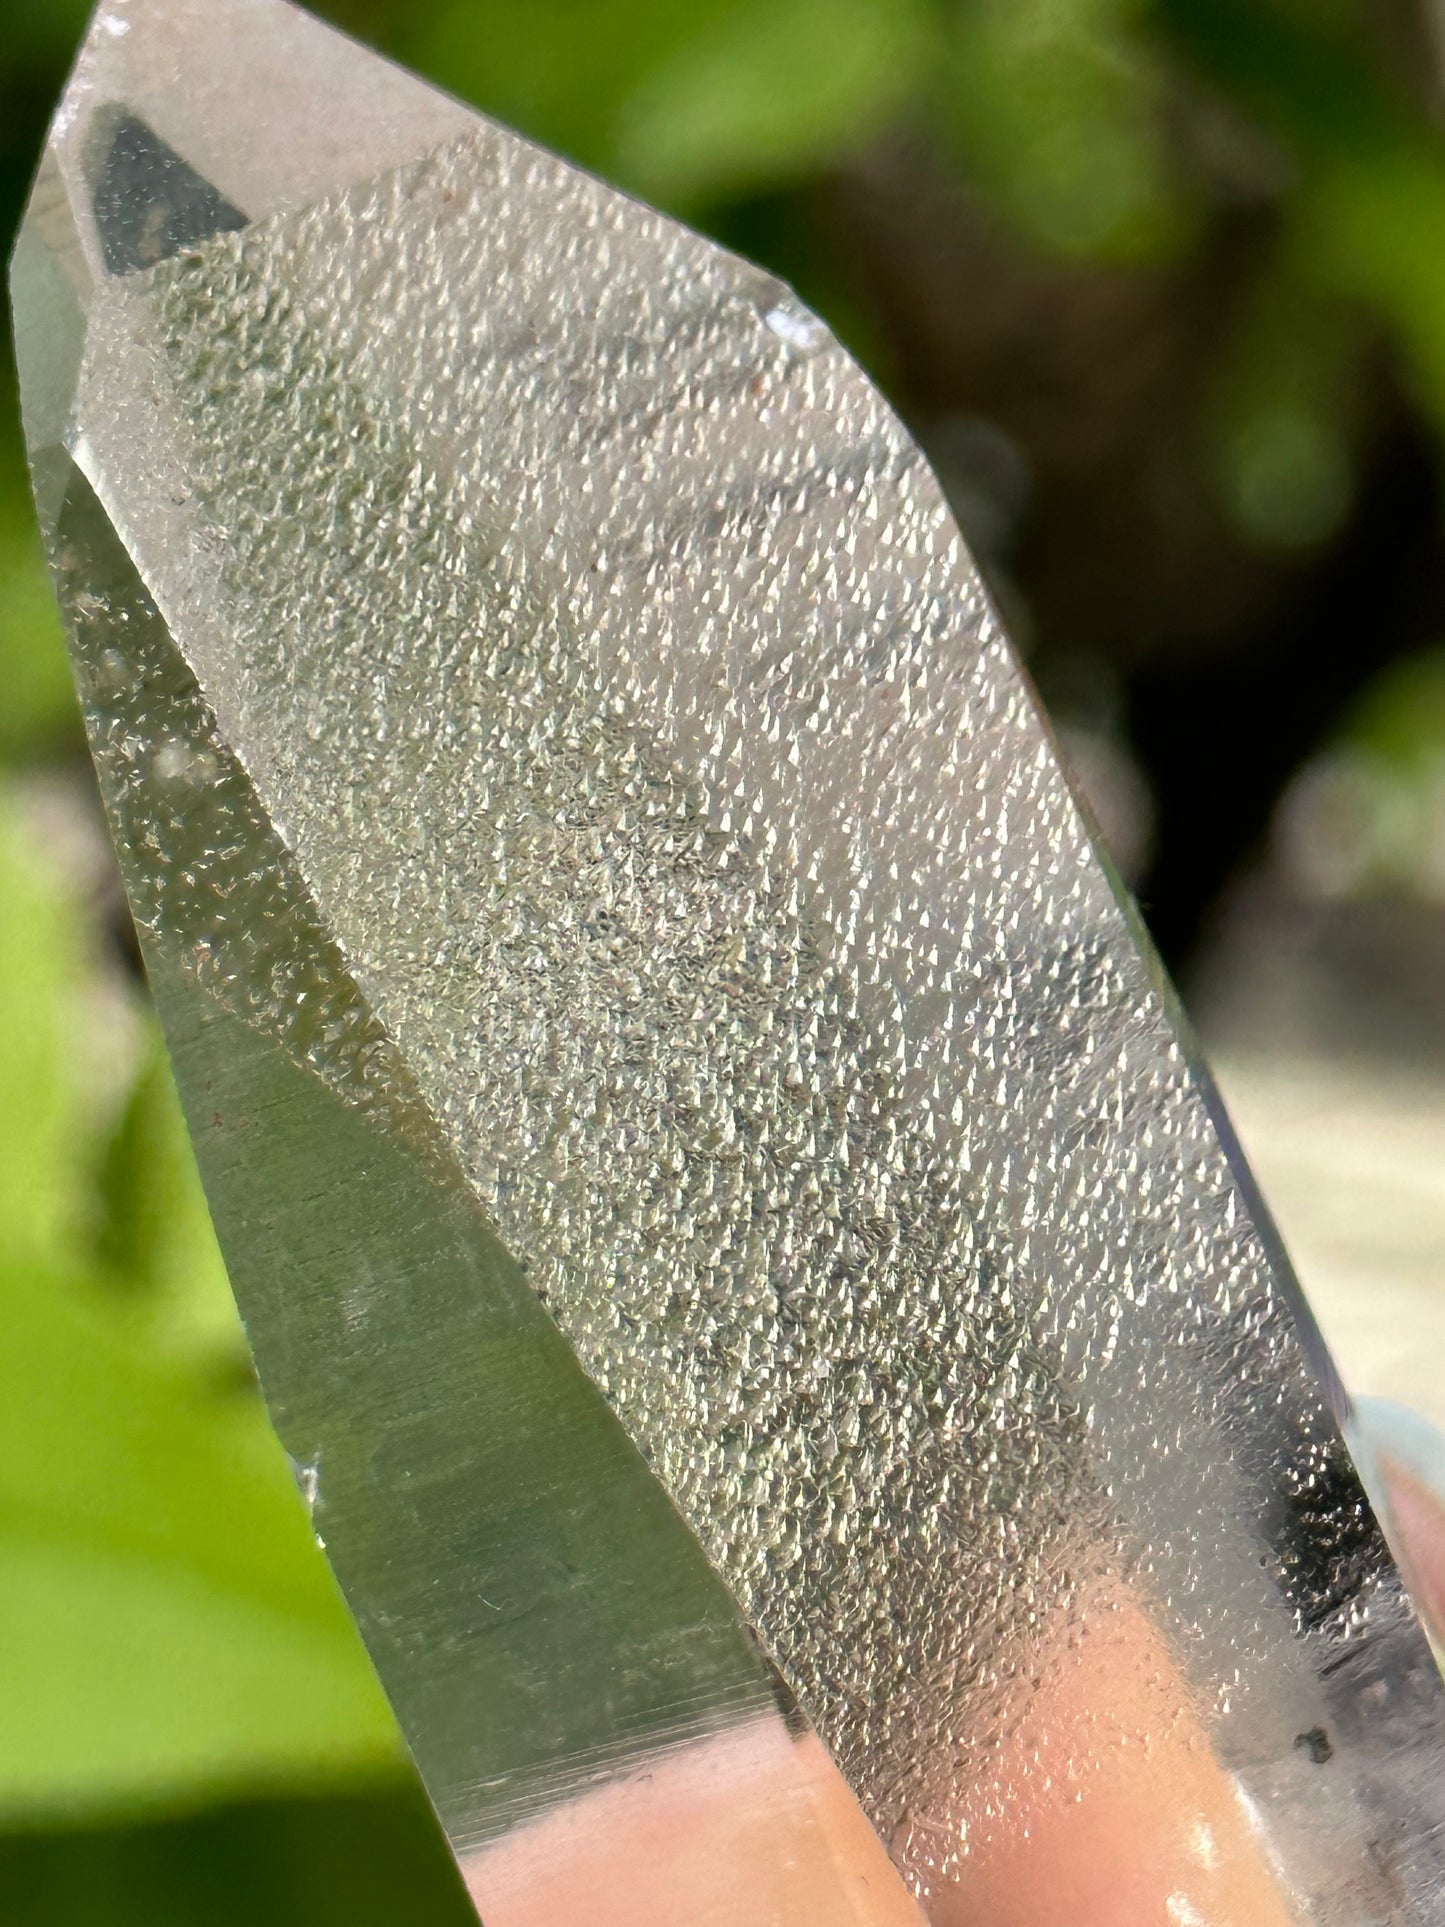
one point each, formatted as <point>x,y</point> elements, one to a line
<point>784,1353</point>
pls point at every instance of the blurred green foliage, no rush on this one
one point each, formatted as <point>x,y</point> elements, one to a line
<point>171,1635</point>
<point>368,1858</point>
<point>38,714</point>
<point>1056,109</point>
<point>188,1728</point>
<point>687,105</point>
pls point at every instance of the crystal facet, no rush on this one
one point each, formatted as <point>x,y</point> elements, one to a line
<point>724,1207</point>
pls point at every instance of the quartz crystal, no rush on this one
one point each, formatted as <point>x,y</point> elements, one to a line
<point>731,1225</point>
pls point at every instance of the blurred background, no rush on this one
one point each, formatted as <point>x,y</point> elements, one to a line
<point>1160,286</point>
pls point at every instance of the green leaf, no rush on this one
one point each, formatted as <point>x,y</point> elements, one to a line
<point>170,1630</point>
<point>1283,412</point>
<point>683,103</point>
<point>768,94</point>
<point>366,1857</point>
<point>44,30</point>
<point>1401,717</point>
<point>558,70</point>
<point>39,710</point>
<point>1368,201</point>
<point>154,1238</point>
<point>1057,109</point>
<point>43,1153</point>
<point>168,1626</point>
<point>1373,227</point>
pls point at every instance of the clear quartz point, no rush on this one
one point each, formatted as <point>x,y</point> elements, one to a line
<point>778,1333</point>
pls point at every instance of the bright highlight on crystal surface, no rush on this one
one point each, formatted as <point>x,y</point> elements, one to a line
<point>723,1208</point>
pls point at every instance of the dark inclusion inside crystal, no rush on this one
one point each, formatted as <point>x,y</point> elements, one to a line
<point>150,204</point>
